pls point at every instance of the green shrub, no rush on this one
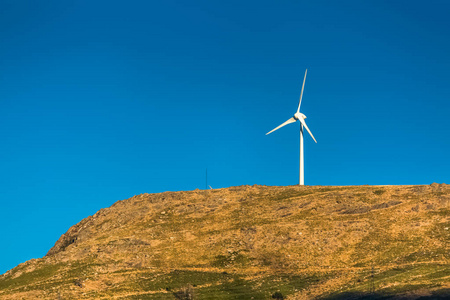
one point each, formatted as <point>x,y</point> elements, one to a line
<point>277,295</point>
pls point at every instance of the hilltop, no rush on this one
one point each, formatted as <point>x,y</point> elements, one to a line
<point>252,242</point>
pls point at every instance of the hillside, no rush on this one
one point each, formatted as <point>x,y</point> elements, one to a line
<point>252,242</point>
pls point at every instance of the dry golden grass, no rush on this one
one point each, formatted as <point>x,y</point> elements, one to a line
<point>251,241</point>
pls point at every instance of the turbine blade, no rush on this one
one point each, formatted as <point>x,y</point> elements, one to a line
<point>304,124</point>
<point>301,94</point>
<point>291,120</point>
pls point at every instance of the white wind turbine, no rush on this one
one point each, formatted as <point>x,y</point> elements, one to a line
<point>301,117</point>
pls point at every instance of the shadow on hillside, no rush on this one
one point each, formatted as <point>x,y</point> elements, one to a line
<point>436,295</point>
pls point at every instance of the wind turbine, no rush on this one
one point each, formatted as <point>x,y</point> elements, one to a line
<point>300,117</point>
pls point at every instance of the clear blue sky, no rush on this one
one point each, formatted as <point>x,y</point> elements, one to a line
<point>103,100</point>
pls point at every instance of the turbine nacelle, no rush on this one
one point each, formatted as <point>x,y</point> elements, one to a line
<point>299,115</point>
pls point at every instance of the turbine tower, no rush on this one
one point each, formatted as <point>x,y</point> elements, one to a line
<point>300,117</point>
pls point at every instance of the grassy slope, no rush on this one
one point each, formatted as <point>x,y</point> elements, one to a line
<point>243,242</point>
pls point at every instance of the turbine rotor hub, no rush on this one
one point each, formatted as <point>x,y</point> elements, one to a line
<point>298,115</point>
